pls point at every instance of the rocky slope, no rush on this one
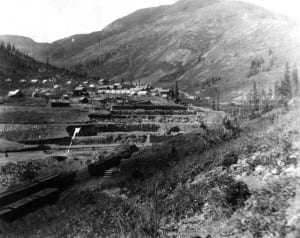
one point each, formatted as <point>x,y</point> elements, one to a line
<point>190,41</point>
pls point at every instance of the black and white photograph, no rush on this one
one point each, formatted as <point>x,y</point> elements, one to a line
<point>149,119</point>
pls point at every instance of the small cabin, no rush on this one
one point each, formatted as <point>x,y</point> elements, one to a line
<point>84,100</point>
<point>142,93</point>
<point>102,82</point>
<point>80,91</point>
<point>117,86</point>
<point>57,86</point>
<point>164,92</point>
<point>65,96</point>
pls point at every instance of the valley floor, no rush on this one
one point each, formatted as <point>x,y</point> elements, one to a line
<point>205,184</point>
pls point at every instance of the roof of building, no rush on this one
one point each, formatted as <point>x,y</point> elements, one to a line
<point>80,88</point>
<point>16,92</point>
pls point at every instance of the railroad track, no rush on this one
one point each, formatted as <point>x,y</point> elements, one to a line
<point>22,199</point>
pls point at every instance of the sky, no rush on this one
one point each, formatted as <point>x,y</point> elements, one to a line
<point>285,7</point>
<point>50,20</point>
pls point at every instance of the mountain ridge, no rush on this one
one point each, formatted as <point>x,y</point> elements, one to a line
<point>189,41</point>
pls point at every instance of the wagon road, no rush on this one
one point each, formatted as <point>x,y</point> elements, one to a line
<point>34,155</point>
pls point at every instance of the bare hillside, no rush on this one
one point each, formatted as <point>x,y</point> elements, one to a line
<point>190,41</point>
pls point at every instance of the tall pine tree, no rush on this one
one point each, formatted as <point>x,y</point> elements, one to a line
<point>286,87</point>
<point>255,97</point>
<point>277,91</point>
<point>295,82</point>
<point>172,94</point>
<point>176,92</point>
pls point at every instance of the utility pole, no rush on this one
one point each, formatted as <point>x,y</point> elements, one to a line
<point>218,98</point>
<point>47,60</point>
<point>65,61</point>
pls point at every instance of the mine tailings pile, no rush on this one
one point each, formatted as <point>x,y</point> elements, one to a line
<point>22,199</point>
<point>147,121</point>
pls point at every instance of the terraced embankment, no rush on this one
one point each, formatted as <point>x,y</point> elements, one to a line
<point>32,123</point>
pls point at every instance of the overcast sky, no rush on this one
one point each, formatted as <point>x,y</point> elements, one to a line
<point>49,20</point>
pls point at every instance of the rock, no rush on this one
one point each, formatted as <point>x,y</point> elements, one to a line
<point>280,163</point>
<point>257,159</point>
<point>251,160</point>
<point>275,171</point>
<point>259,170</point>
